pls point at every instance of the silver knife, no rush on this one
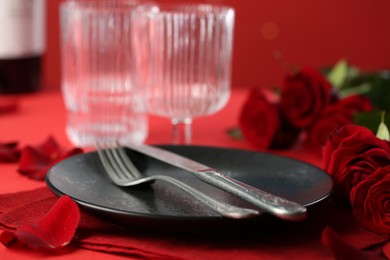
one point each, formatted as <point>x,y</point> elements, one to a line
<point>275,205</point>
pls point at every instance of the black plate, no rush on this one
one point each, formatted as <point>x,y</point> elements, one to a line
<point>163,206</point>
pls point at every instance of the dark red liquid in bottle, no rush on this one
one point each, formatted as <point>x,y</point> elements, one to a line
<point>20,75</point>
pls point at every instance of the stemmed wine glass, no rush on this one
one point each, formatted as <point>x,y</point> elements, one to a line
<point>184,54</point>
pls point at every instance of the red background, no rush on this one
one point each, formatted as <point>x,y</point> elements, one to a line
<point>273,34</point>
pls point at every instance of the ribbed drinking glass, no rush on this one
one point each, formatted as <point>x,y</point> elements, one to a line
<point>184,61</point>
<point>101,100</point>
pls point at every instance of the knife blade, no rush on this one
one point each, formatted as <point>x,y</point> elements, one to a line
<point>270,203</point>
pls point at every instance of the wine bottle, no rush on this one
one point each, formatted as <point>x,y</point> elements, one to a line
<point>22,44</point>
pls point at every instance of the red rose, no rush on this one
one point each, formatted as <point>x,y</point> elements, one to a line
<point>356,103</point>
<point>351,154</point>
<point>259,119</point>
<point>370,201</point>
<point>333,117</point>
<point>304,96</point>
<point>341,249</point>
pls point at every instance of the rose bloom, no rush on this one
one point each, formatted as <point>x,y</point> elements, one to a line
<point>259,119</point>
<point>335,116</point>
<point>370,201</point>
<point>304,96</point>
<point>351,154</point>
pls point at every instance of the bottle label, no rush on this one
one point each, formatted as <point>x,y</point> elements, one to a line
<point>22,28</point>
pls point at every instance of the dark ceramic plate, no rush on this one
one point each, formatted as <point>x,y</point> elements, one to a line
<point>161,205</point>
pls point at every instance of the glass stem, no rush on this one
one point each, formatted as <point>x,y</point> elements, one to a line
<point>181,131</point>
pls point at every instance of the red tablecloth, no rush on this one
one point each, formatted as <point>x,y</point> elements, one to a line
<point>43,114</point>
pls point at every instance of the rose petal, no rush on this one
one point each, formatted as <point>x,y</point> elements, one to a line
<point>343,250</point>
<point>351,154</point>
<point>333,117</point>
<point>35,161</point>
<point>357,103</point>
<point>9,152</point>
<point>352,139</point>
<point>50,148</point>
<point>370,200</point>
<point>55,230</point>
<point>8,238</point>
<point>32,162</point>
<point>353,168</point>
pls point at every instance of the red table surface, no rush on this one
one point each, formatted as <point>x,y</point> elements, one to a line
<point>43,114</point>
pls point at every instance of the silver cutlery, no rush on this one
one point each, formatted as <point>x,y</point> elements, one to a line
<point>123,172</point>
<point>275,205</point>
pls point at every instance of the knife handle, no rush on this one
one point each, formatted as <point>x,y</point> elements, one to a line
<point>275,205</point>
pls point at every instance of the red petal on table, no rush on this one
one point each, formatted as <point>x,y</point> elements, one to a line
<point>55,230</point>
<point>343,250</point>
<point>8,105</point>
<point>8,238</point>
<point>33,163</point>
<point>36,161</point>
<point>9,152</point>
<point>50,148</point>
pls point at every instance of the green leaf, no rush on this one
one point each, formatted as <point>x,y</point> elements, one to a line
<point>380,90</point>
<point>383,131</point>
<point>339,74</point>
<point>371,120</point>
<point>353,72</point>
<point>365,88</point>
<point>374,85</point>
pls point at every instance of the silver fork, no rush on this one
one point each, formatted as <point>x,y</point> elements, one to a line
<point>123,172</point>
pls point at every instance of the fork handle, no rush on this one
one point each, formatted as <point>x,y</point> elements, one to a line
<point>220,207</point>
<point>280,207</point>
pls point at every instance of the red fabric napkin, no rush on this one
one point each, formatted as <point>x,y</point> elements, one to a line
<point>286,240</point>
